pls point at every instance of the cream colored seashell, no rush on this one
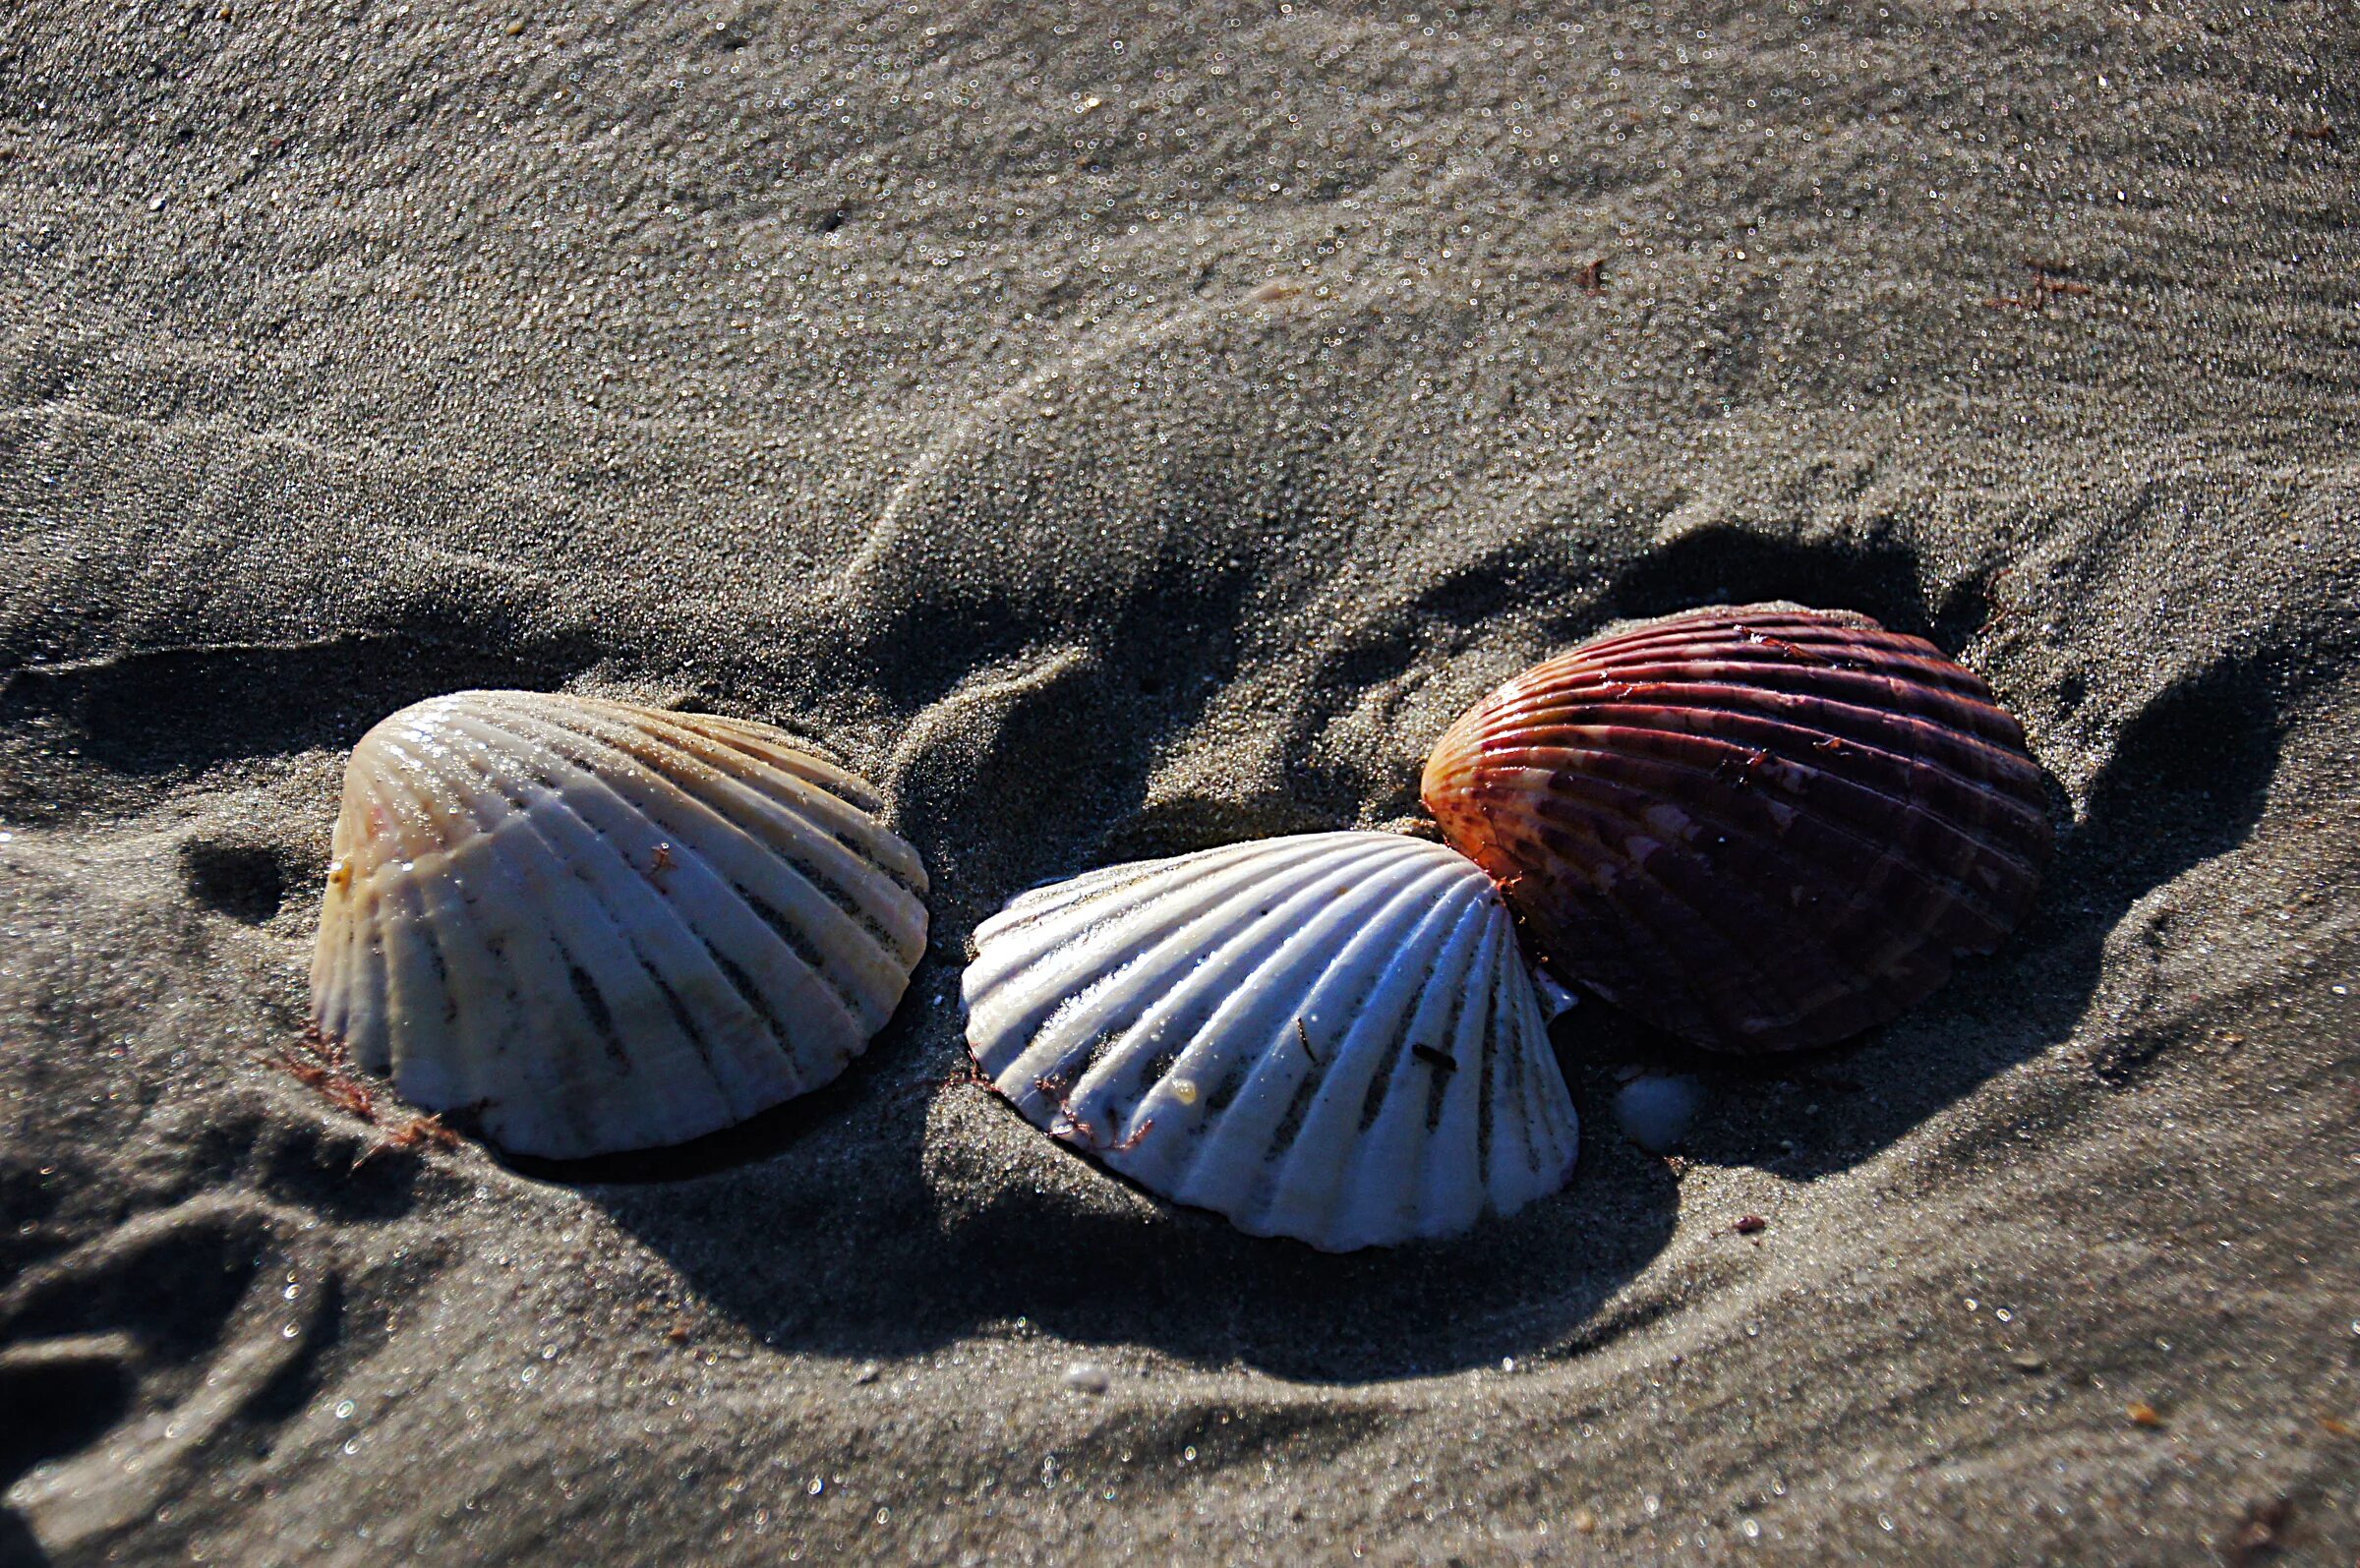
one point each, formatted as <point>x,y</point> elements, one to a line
<point>1331,1037</point>
<point>595,926</point>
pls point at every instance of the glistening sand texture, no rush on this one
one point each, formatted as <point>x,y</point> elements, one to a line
<point>1112,451</point>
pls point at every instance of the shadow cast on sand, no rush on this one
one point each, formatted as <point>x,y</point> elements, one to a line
<point>138,721</point>
<point>127,1363</point>
<point>2185,780</point>
<point>896,1211</point>
<point>1008,1226</point>
<point>1049,1243</point>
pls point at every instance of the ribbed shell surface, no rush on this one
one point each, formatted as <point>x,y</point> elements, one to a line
<point>1760,828</point>
<point>595,926</point>
<point>1331,1036</point>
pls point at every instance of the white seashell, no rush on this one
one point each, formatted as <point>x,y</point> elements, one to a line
<point>1331,1037</point>
<point>595,926</point>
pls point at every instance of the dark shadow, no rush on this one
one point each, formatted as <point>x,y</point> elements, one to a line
<point>17,1548</point>
<point>339,1167</point>
<point>60,1395</point>
<point>162,1314</point>
<point>171,1288</point>
<point>1563,584</point>
<point>161,713</point>
<point>1112,1266</point>
<point>246,882</point>
<point>881,1240</point>
<point>1050,779</point>
<point>2186,780</point>
<point>182,709</point>
<point>1735,566</point>
<point>1187,824</point>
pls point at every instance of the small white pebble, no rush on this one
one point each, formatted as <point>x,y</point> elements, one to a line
<point>1086,1377</point>
<point>1656,1113</point>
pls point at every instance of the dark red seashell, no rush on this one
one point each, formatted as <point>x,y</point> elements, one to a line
<point>1763,828</point>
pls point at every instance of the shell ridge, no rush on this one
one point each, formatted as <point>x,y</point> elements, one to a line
<point>1725,908</point>
<point>1842,868</point>
<point>1543,1159</point>
<point>1175,911</point>
<point>1243,1137</point>
<point>854,826</point>
<point>1363,1193</point>
<point>1025,930</point>
<point>1832,640</point>
<point>1455,1100</point>
<point>1594,787</point>
<point>580,929</point>
<point>769,888</point>
<point>1975,752</point>
<point>1360,1062</point>
<point>1236,978</point>
<point>336,959</point>
<point>1978,737</point>
<point>756,867</point>
<point>407,926</point>
<point>651,764</point>
<point>1760,629</point>
<point>830,841</point>
<point>764,747</point>
<point>1249,1042</point>
<point>362,1005</point>
<point>746,1055</point>
<point>1500,1066</point>
<point>706,842</point>
<point>407,933</point>
<point>356,1016</point>
<point>1517,1162</point>
<point>714,746</point>
<point>1044,899</point>
<point>772,968</point>
<point>1077,1032</point>
<point>1402,1099</point>
<point>1823,656</point>
<point>1660,947</point>
<point>1388,1175</point>
<point>578,940</point>
<point>1754,825</point>
<point>1147,881</point>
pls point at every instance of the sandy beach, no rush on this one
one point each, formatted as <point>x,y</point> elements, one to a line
<point>1117,433</point>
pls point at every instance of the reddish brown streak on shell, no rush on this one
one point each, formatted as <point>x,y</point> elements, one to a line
<point>1761,827</point>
